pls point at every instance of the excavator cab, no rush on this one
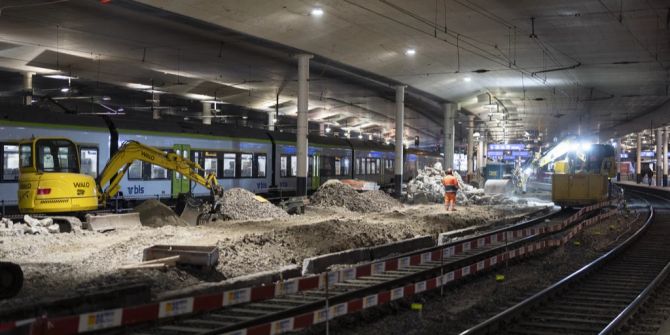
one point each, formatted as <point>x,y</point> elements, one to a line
<point>49,178</point>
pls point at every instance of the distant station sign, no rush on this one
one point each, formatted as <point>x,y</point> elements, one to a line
<point>512,146</point>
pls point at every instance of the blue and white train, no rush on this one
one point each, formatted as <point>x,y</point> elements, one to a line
<point>263,162</point>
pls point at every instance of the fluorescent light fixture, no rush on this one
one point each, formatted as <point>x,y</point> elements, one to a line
<point>65,89</point>
<point>410,52</point>
<point>328,129</point>
<point>360,136</point>
<point>60,76</point>
<point>316,12</point>
<point>138,86</point>
<point>245,117</point>
<point>199,96</point>
<point>467,79</point>
<point>106,98</point>
<point>154,91</point>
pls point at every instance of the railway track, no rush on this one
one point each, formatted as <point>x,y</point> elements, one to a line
<point>304,308</point>
<point>604,296</point>
<point>299,303</point>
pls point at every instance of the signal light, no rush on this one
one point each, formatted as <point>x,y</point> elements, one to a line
<point>43,191</point>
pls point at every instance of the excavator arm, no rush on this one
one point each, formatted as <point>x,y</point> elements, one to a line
<point>117,166</point>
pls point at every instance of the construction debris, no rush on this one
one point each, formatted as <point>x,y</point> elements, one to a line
<point>240,204</point>
<point>333,193</point>
<point>205,257</point>
<point>427,187</point>
<point>154,213</point>
<point>34,226</point>
<point>160,263</point>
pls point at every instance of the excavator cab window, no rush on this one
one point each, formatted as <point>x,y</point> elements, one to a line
<point>56,155</point>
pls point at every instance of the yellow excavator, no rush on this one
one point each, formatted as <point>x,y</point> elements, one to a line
<point>50,180</point>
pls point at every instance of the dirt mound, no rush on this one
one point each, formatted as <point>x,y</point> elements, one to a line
<point>240,204</point>
<point>333,193</point>
<point>154,213</point>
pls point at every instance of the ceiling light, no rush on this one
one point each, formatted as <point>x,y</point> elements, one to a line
<point>199,96</point>
<point>138,86</point>
<point>410,52</point>
<point>328,129</point>
<point>60,76</point>
<point>154,91</point>
<point>317,12</point>
<point>245,117</point>
<point>467,79</point>
<point>106,98</point>
<point>360,136</point>
<point>65,90</point>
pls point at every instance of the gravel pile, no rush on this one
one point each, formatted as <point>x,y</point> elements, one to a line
<point>333,193</point>
<point>240,204</point>
<point>154,213</point>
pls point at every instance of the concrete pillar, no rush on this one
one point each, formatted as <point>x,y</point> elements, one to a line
<point>206,113</point>
<point>28,87</point>
<point>659,157</point>
<point>156,102</point>
<point>471,146</point>
<point>449,120</point>
<point>617,157</point>
<point>303,97</point>
<point>271,121</point>
<point>399,138</point>
<point>480,156</point>
<point>638,162</point>
<point>665,156</point>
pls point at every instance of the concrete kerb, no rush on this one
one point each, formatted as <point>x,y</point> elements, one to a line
<point>251,280</point>
<point>321,263</point>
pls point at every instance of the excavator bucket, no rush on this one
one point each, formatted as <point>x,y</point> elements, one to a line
<point>498,186</point>
<point>196,212</point>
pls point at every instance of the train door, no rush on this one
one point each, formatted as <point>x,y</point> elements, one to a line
<point>316,171</point>
<point>181,184</point>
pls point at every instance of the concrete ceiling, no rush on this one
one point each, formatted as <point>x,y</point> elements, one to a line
<point>589,66</point>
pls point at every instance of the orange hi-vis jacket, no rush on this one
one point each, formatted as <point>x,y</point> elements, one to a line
<point>450,183</point>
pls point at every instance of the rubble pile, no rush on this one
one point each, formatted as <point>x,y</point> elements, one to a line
<point>154,213</point>
<point>427,187</point>
<point>333,193</point>
<point>29,225</point>
<point>240,204</point>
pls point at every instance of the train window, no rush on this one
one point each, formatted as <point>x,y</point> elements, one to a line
<point>158,172</point>
<point>373,166</point>
<point>294,166</point>
<point>378,165</point>
<point>338,166</point>
<point>284,166</point>
<point>229,165</point>
<point>10,162</point>
<point>246,164</point>
<point>211,166</point>
<point>89,161</point>
<point>310,165</point>
<point>345,166</point>
<point>26,155</point>
<point>261,161</point>
<point>195,157</point>
<point>358,166</point>
<point>135,170</point>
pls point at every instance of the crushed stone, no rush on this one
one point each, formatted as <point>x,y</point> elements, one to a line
<point>334,193</point>
<point>154,213</point>
<point>240,204</point>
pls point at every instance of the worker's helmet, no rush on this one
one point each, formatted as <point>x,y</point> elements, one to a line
<point>450,171</point>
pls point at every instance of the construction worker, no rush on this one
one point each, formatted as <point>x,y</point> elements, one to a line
<point>450,187</point>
